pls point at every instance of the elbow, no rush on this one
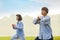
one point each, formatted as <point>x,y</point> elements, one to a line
<point>34,22</point>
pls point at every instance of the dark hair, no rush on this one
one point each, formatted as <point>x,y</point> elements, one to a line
<point>45,8</point>
<point>20,17</point>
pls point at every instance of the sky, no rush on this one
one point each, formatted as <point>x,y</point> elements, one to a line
<point>28,7</point>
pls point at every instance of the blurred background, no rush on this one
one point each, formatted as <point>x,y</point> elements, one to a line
<point>29,9</point>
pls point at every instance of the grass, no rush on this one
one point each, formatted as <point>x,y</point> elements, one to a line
<point>28,38</point>
<point>57,38</point>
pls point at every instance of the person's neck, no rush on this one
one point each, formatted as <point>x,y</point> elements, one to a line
<point>18,20</point>
<point>44,15</point>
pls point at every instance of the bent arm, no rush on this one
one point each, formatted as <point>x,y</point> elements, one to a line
<point>19,26</point>
<point>35,21</point>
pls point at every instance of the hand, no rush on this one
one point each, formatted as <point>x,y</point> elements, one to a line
<point>38,18</point>
<point>13,25</point>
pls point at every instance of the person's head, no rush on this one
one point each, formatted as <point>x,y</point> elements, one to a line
<point>18,17</point>
<point>44,11</point>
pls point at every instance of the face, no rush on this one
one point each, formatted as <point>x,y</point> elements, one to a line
<point>17,18</point>
<point>43,12</point>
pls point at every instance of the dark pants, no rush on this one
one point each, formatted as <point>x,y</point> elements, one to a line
<point>37,38</point>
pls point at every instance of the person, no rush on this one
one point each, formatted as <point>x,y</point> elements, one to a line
<point>19,28</point>
<point>45,31</point>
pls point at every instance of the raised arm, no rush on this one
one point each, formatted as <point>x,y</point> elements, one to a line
<point>19,26</point>
<point>36,21</point>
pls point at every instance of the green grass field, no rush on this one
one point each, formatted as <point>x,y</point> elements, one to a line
<point>28,38</point>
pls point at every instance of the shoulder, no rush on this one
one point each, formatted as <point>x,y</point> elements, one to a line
<point>20,22</point>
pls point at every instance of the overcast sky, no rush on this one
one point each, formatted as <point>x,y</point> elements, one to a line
<point>8,7</point>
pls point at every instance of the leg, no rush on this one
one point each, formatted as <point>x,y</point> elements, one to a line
<point>37,38</point>
<point>21,37</point>
<point>51,37</point>
<point>15,37</point>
